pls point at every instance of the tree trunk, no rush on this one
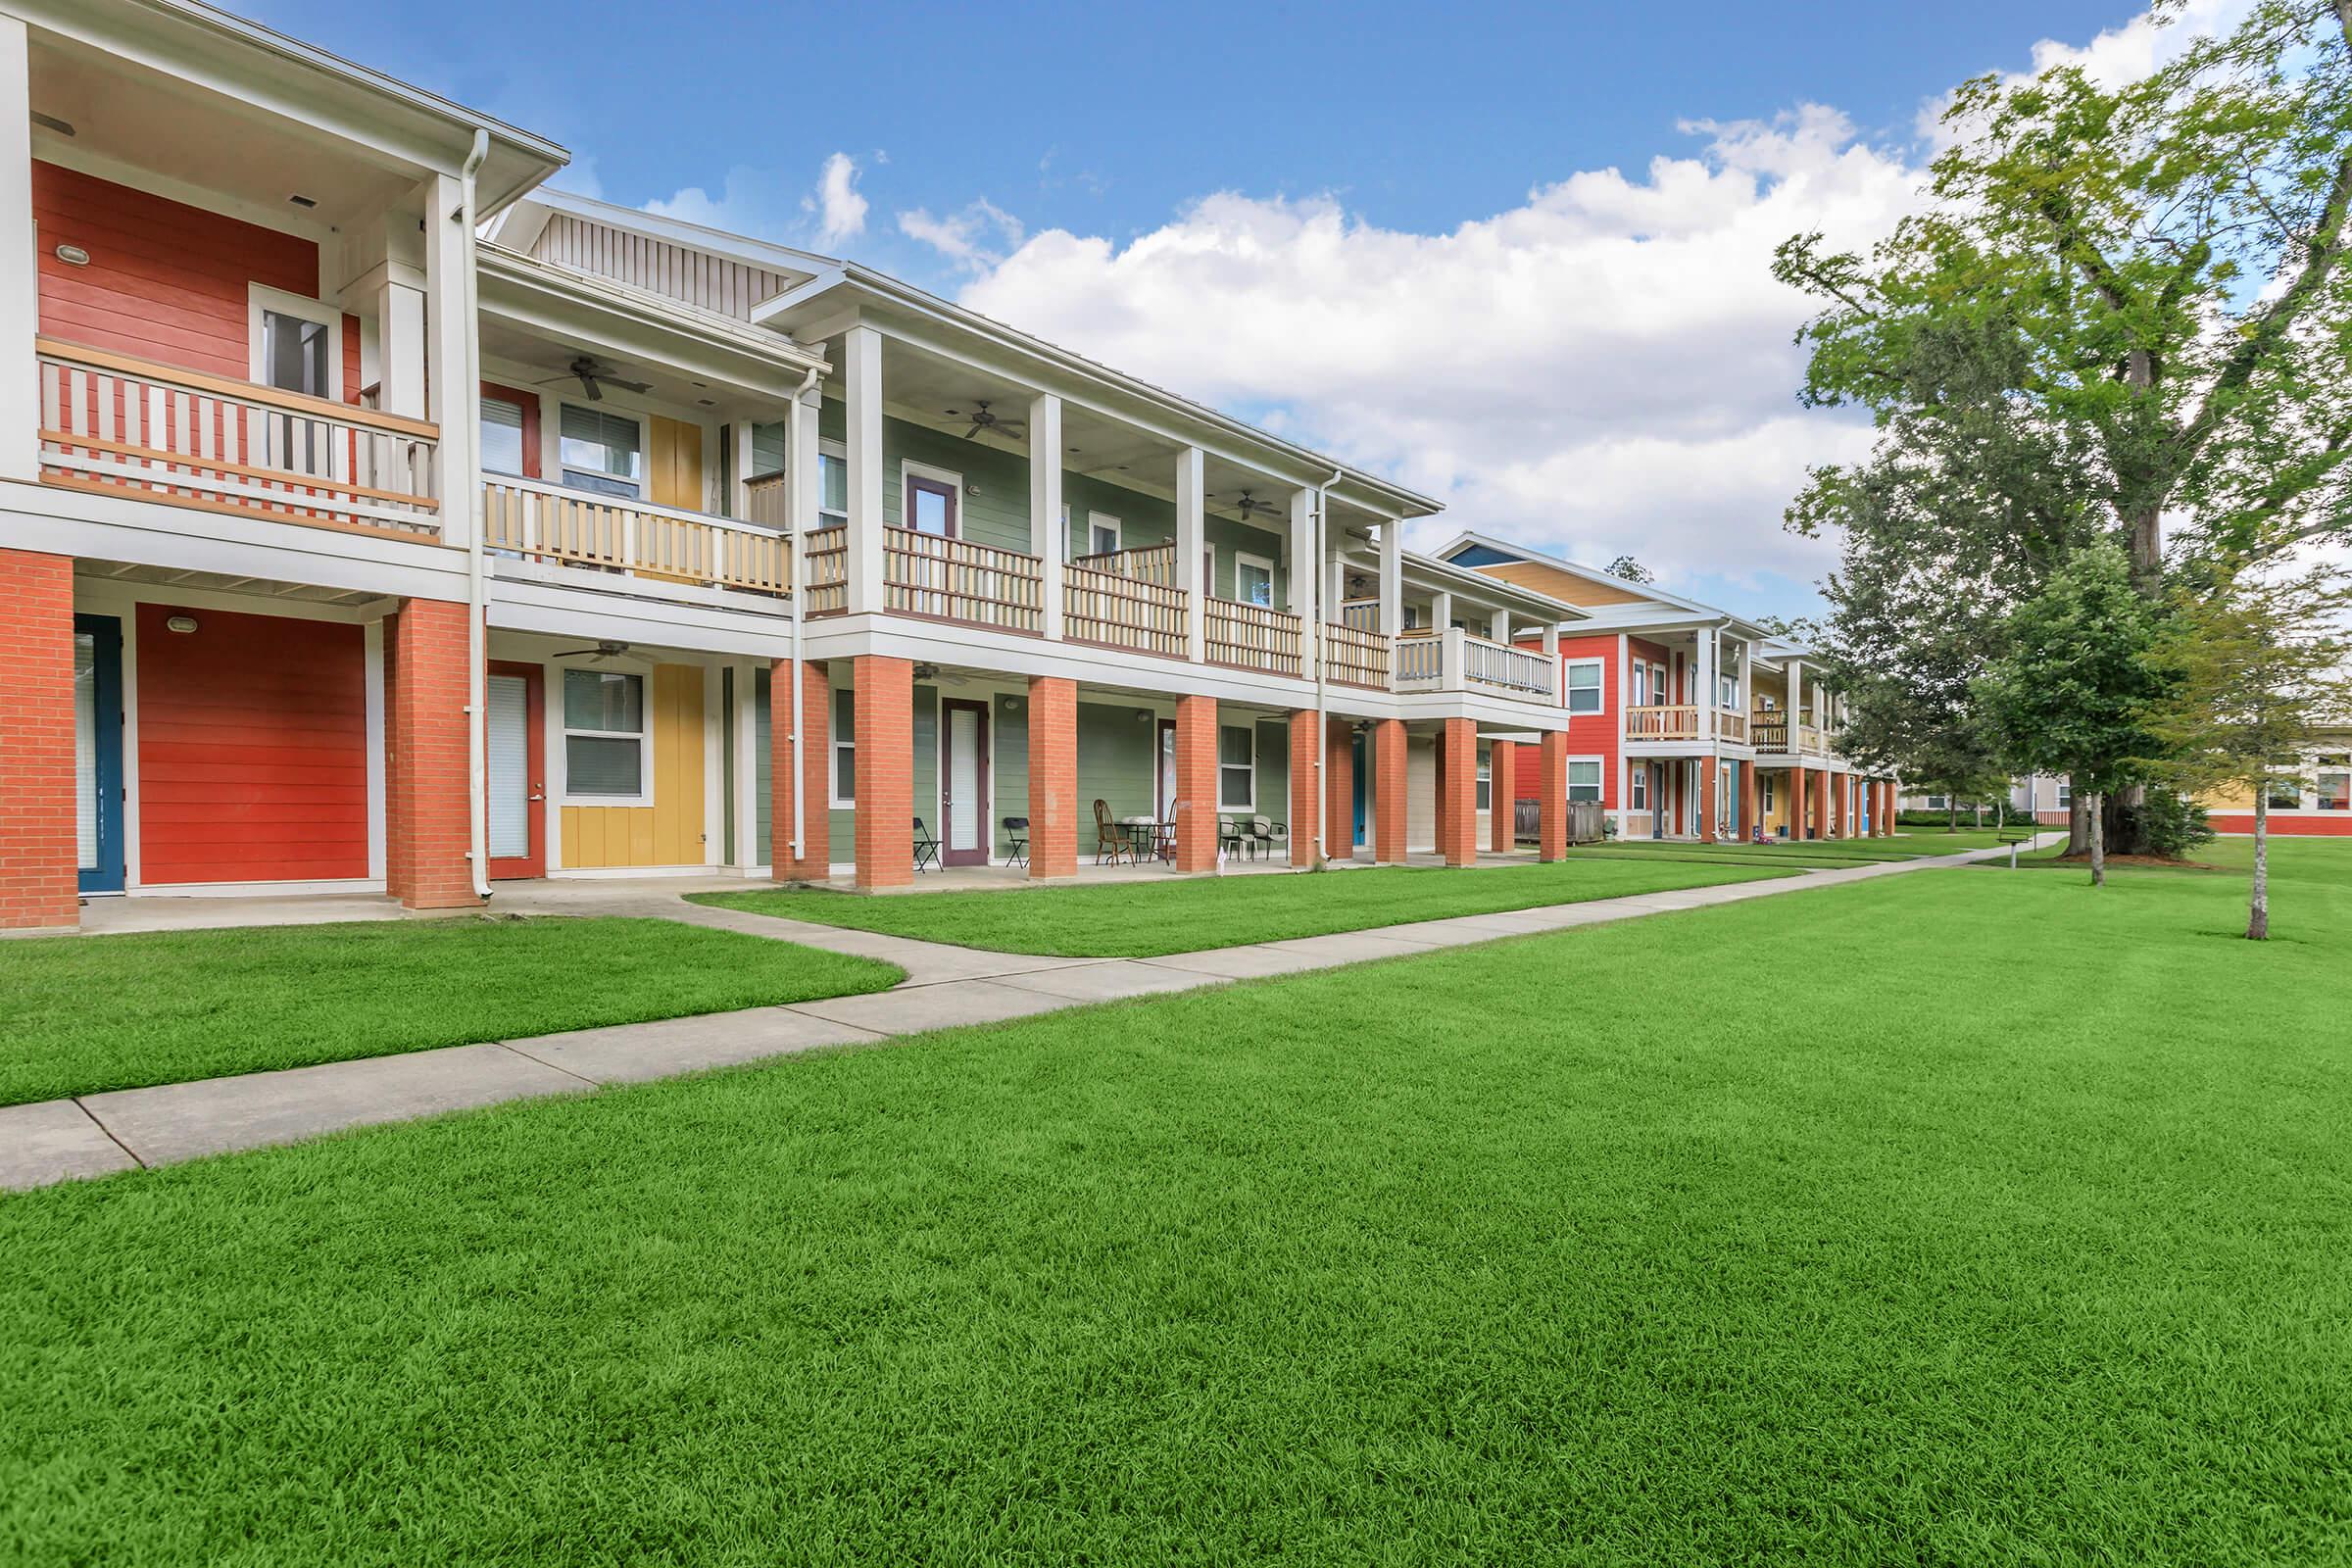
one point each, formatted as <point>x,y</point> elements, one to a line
<point>2127,832</point>
<point>1953,826</point>
<point>2077,822</point>
<point>2099,841</point>
<point>2258,909</point>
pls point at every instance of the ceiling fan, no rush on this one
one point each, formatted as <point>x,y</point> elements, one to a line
<point>1248,504</point>
<point>594,375</point>
<point>603,651</point>
<point>983,420</point>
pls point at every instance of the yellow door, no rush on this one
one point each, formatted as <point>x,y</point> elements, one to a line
<point>673,463</point>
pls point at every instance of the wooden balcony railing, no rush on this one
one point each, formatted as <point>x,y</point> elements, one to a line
<point>767,501</point>
<point>1420,663</point>
<point>954,579</point>
<point>1355,657</point>
<point>1524,672</point>
<point>123,425</point>
<point>827,557</point>
<point>1769,732</point>
<point>580,528</point>
<point>1151,563</point>
<point>1677,722</point>
<point>1114,610</point>
<point>1731,725</point>
<point>1249,636</point>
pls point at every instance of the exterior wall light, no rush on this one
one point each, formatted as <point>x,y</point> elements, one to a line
<point>180,624</point>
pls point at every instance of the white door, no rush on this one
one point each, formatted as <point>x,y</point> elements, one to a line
<point>967,841</point>
<point>510,744</point>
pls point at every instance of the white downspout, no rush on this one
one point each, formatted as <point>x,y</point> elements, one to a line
<point>1322,687</point>
<point>794,516</point>
<point>477,631</point>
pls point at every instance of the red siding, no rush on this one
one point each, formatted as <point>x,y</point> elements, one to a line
<point>2283,824</point>
<point>1588,734</point>
<point>165,280</point>
<point>253,761</point>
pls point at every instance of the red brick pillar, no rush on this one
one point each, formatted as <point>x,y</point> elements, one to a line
<point>1551,795</point>
<point>427,835</point>
<point>1052,776</point>
<point>882,711</point>
<point>1457,792</point>
<point>1818,787</point>
<point>1444,802</point>
<point>1387,791</point>
<point>1303,793</point>
<point>1708,771</point>
<point>1195,783</point>
<point>1338,792</point>
<point>1885,812</point>
<point>40,818</point>
<point>815,774</point>
<point>1796,805</point>
<point>1750,813</point>
<point>1501,796</point>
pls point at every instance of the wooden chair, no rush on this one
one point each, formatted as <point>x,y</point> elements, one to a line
<point>1109,838</point>
<point>1016,840</point>
<point>926,847</point>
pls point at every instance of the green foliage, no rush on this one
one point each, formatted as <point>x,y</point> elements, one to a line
<point>2072,692</point>
<point>2169,823</point>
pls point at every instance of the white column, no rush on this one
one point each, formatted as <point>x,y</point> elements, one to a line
<point>1391,576</point>
<point>803,493</point>
<point>1705,681</point>
<point>1441,610</point>
<point>1560,676</point>
<point>449,336</point>
<point>1191,526</point>
<point>861,388</point>
<point>19,287</point>
<point>1748,683</point>
<point>400,336</point>
<point>1502,626</point>
<point>1303,579</point>
<point>1335,589</point>
<point>745,769</point>
<point>738,436</point>
<point>1793,693</point>
<point>1049,535</point>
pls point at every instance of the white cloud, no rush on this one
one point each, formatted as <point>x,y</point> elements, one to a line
<point>840,209</point>
<point>973,238</point>
<point>2115,57</point>
<point>759,202</point>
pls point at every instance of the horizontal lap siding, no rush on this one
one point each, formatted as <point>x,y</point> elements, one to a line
<point>252,746</point>
<point>1588,734</point>
<point>668,832</point>
<point>165,280</point>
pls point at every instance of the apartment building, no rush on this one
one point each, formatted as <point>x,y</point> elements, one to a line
<point>1687,721</point>
<point>375,517</point>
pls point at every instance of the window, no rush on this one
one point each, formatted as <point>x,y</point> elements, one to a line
<point>1208,571</point>
<point>1584,778</point>
<point>844,749</point>
<point>295,343</point>
<point>1237,768</point>
<point>599,450</point>
<point>1637,781</point>
<point>1254,580</point>
<point>1584,686</point>
<point>1641,685</point>
<point>832,485</point>
<point>1102,534</point>
<point>1660,693</point>
<point>2335,787</point>
<point>929,500</point>
<point>1486,779</point>
<point>2066,795</point>
<point>2286,794</point>
<point>501,435</point>
<point>603,735</point>
<point>1937,803</point>
<point>1413,617</point>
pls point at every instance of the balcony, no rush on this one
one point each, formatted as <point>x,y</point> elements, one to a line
<point>1731,724</point>
<point>1771,732</point>
<point>1677,721</point>
<point>934,579</point>
<point>1126,599</point>
<point>1458,661</point>
<point>610,533</point>
<point>1354,656</point>
<point>117,425</point>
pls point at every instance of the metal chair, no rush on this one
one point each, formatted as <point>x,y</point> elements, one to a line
<point>1016,840</point>
<point>926,847</point>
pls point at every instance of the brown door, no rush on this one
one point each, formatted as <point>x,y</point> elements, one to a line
<point>931,507</point>
<point>515,802</point>
<point>963,834</point>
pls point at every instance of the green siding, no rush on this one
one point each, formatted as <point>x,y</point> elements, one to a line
<point>762,766</point>
<point>1114,764</point>
<point>1274,769</point>
<point>1009,717</point>
<point>926,759</point>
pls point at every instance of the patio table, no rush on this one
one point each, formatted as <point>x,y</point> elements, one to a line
<point>1144,833</point>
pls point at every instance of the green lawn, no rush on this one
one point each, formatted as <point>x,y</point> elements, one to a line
<point>90,1013</point>
<point>1152,915</point>
<point>1488,1255</point>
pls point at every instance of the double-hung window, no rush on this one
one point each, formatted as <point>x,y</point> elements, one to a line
<point>1486,779</point>
<point>1102,534</point>
<point>1584,778</point>
<point>2066,795</point>
<point>2286,794</point>
<point>604,736</point>
<point>1636,780</point>
<point>1237,768</point>
<point>1584,686</point>
<point>845,748</point>
<point>602,452</point>
<point>1254,580</point>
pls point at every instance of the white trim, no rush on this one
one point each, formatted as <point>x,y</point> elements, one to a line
<point>1247,727</point>
<point>910,471</point>
<point>551,434</point>
<point>259,890</point>
<point>716,771</point>
<point>1263,563</point>
<point>1102,519</point>
<point>128,684</point>
<point>839,452</point>
<point>260,297</point>
<point>622,874</point>
<point>644,736</point>
<point>835,741</point>
<point>1600,780</point>
<point>1600,685</point>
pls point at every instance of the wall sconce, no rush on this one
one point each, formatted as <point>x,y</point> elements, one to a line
<point>72,255</point>
<point>180,624</point>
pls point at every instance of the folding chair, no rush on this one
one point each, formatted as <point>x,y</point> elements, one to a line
<point>926,847</point>
<point>1017,839</point>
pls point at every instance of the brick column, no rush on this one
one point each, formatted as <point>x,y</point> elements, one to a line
<point>1796,805</point>
<point>1819,789</point>
<point>1339,790</point>
<point>816,774</point>
<point>1443,802</point>
<point>1053,778</point>
<point>1387,791</point>
<point>1706,770</point>
<point>427,836</point>
<point>1457,792</point>
<point>1195,783</point>
<point>883,713</point>
<point>40,818</point>
<point>1501,796</point>
<point>1885,813</point>
<point>783,769</point>
<point>1751,810</point>
<point>1551,795</point>
<point>1302,787</point>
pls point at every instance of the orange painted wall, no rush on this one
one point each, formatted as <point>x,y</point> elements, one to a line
<point>251,743</point>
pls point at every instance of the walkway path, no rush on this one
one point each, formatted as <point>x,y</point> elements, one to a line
<point>93,1135</point>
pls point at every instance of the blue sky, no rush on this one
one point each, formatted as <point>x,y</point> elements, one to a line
<point>1056,157</point>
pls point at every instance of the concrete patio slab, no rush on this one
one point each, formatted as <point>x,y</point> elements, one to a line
<point>1109,980</point>
<point>184,1121</point>
<point>55,1140</point>
<point>637,1053</point>
<point>910,1009</point>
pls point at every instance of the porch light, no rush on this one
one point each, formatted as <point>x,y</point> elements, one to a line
<point>72,256</point>
<point>180,624</point>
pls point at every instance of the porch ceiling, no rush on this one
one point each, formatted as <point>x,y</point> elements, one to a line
<point>218,582</point>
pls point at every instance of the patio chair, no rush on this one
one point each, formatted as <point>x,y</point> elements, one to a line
<point>1016,840</point>
<point>926,847</point>
<point>1109,838</point>
<point>1230,835</point>
<point>1265,833</point>
<point>1163,843</point>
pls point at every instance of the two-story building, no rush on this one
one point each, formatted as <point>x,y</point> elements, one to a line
<point>1687,721</point>
<point>374,517</point>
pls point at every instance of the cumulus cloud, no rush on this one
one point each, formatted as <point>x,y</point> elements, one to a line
<point>759,202</point>
<point>840,209</point>
<point>972,239</point>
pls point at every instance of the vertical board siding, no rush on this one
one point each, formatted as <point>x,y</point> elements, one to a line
<point>1010,715</point>
<point>166,281</point>
<point>668,832</point>
<point>714,283</point>
<point>253,761</point>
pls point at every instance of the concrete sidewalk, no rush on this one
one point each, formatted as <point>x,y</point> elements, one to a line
<point>58,1140</point>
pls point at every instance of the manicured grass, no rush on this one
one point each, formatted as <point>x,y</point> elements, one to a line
<point>90,1013</point>
<point>1598,1247</point>
<point>1153,915</point>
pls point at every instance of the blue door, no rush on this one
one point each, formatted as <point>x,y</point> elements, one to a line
<point>1355,785</point>
<point>98,750</point>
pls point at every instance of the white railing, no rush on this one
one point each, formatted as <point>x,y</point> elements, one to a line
<point>1522,671</point>
<point>123,425</point>
<point>580,528</point>
<point>1420,663</point>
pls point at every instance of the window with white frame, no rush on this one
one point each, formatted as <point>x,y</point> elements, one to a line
<point>1937,803</point>
<point>1584,686</point>
<point>2286,794</point>
<point>1237,768</point>
<point>1103,531</point>
<point>844,749</point>
<point>1641,685</point>
<point>601,451</point>
<point>1638,787</point>
<point>1660,693</point>
<point>2066,795</point>
<point>1486,779</point>
<point>1253,579</point>
<point>832,485</point>
<point>1584,778</point>
<point>2336,784</point>
<point>295,343</point>
<point>605,736</point>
